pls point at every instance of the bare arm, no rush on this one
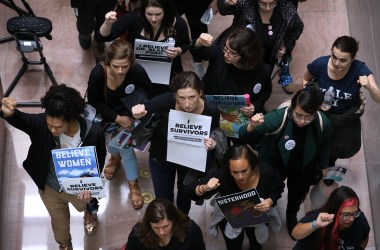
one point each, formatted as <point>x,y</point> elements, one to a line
<point>256,120</point>
<point>364,243</point>
<point>302,230</point>
<point>369,83</point>
<point>307,77</point>
<point>110,19</point>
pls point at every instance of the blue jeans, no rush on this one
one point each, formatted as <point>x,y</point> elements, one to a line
<point>128,160</point>
<point>163,177</point>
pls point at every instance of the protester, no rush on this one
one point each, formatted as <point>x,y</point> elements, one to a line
<point>187,96</point>
<point>339,224</point>
<point>346,75</point>
<point>61,126</point>
<point>157,21</point>
<point>165,227</point>
<point>296,140</point>
<point>236,68</point>
<point>90,16</point>
<point>242,171</point>
<point>120,79</point>
<point>193,11</point>
<point>276,22</point>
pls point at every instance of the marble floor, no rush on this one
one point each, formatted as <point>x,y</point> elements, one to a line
<point>24,221</point>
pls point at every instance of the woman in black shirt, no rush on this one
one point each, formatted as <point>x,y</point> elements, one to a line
<point>187,97</point>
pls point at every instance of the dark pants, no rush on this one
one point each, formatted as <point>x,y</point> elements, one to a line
<point>298,187</point>
<point>237,243</point>
<point>193,11</point>
<point>91,15</point>
<point>164,176</point>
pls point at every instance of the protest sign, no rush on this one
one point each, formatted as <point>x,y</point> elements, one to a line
<point>239,211</point>
<point>152,56</point>
<point>77,164</point>
<point>186,132</point>
<point>231,118</point>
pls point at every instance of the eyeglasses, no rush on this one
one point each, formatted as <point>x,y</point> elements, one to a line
<point>271,5</point>
<point>305,118</point>
<point>347,216</point>
<point>229,53</point>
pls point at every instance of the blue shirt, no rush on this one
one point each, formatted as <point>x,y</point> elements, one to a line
<point>347,89</point>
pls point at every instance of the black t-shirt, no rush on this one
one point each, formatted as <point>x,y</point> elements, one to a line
<point>222,78</point>
<point>349,239</point>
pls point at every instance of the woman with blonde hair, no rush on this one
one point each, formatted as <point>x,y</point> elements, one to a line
<point>109,85</point>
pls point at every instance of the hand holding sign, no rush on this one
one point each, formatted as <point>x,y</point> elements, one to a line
<point>209,143</point>
<point>264,205</point>
<point>85,196</point>
<point>173,52</point>
<point>248,111</point>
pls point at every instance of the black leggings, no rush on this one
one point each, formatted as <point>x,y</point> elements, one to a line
<point>237,243</point>
<point>298,187</point>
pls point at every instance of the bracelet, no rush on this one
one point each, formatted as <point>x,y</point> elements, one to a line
<point>314,225</point>
<point>199,189</point>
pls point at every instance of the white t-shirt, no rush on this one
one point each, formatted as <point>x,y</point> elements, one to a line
<point>70,142</point>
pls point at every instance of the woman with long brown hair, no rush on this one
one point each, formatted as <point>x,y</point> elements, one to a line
<point>165,227</point>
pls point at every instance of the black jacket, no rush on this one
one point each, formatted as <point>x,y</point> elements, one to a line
<point>39,155</point>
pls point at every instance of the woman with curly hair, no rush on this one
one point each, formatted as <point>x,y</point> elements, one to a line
<point>157,21</point>
<point>165,227</point>
<point>60,126</point>
<point>235,68</point>
<point>339,224</point>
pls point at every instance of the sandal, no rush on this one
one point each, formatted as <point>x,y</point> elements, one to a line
<point>111,167</point>
<point>136,197</point>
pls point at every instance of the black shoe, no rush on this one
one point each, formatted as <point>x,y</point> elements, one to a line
<point>98,49</point>
<point>84,41</point>
<point>291,222</point>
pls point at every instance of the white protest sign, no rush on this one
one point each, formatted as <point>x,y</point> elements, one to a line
<point>78,185</point>
<point>152,56</point>
<point>186,132</point>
